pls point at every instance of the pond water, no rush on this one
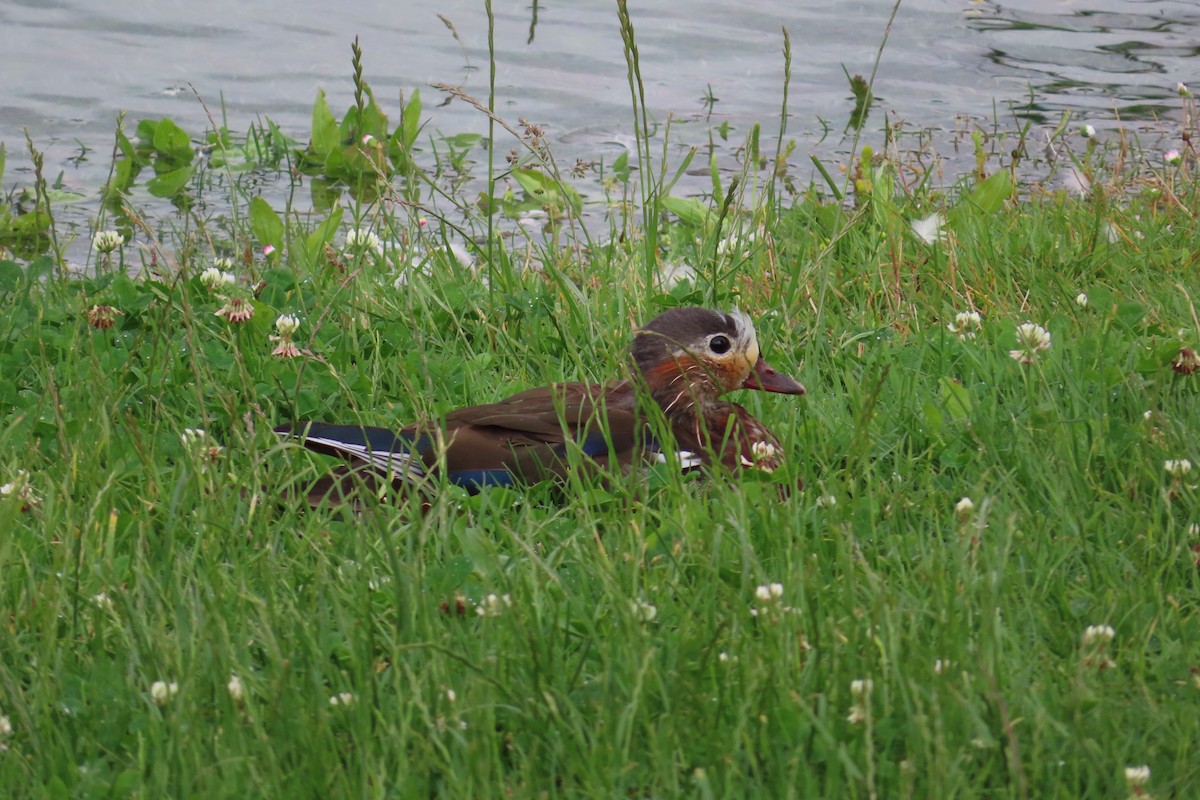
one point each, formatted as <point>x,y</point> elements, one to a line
<point>69,66</point>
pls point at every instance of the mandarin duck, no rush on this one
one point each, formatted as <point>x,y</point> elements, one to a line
<point>683,361</point>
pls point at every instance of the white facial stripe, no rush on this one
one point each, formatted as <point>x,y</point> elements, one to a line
<point>746,336</point>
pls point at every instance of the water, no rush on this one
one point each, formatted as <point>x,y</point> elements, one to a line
<point>70,65</point>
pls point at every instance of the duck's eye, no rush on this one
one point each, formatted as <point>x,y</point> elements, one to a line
<point>719,344</point>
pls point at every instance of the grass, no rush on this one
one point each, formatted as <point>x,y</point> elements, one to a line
<point>614,640</point>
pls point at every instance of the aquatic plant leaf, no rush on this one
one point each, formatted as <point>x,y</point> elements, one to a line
<point>172,142</point>
<point>266,224</point>
<point>862,100</point>
<point>688,209</point>
<point>324,128</point>
<point>170,183</point>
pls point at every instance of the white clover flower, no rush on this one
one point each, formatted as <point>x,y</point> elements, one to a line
<point>643,611</point>
<point>826,501</point>
<point>287,324</point>
<point>193,437</point>
<point>1087,131</point>
<point>1098,635</point>
<point>1182,89</point>
<point>1031,339</point>
<point>860,691</point>
<point>107,241</point>
<point>214,277</point>
<point>1137,776</point>
<point>451,696</point>
<point>964,506</point>
<point>761,451</point>
<point>1194,529</point>
<point>236,690</point>
<point>20,488</point>
<point>1177,467</point>
<point>940,666</point>
<point>1172,157</point>
<point>769,592</point>
<point>342,699</point>
<point>162,692</point>
<point>102,600</point>
<point>1081,300</point>
<point>360,240</point>
<point>223,264</point>
<point>930,229</point>
<point>198,443</point>
<point>493,605</point>
<point>723,657</point>
<point>966,324</point>
<point>6,727</point>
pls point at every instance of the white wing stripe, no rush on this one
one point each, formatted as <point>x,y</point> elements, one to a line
<point>687,459</point>
<point>399,463</point>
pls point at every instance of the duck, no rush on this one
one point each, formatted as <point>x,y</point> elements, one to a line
<point>670,409</point>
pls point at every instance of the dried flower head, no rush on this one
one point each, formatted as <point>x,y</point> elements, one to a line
<point>103,317</point>
<point>1186,362</point>
<point>237,310</point>
<point>107,241</point>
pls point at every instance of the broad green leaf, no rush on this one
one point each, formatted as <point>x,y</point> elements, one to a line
<point>984,200</point>
<point>172,141</point>
<point>689,209</point>
<point>265,223</point>
<point>171,183</point>
<point>322,235</point>
<point>325,138</point>
<point>410,121</point>
<point>544,188</point>
<point>10,276</point>
<point>955,399</point>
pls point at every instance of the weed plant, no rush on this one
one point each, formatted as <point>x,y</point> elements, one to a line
<point>987,587</point>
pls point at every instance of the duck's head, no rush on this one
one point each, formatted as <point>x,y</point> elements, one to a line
<point>700,354</point>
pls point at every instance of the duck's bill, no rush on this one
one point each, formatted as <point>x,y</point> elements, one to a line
<point>768,379</point>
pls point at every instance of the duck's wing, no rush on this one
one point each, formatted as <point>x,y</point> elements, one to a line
<point>525,438</point>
